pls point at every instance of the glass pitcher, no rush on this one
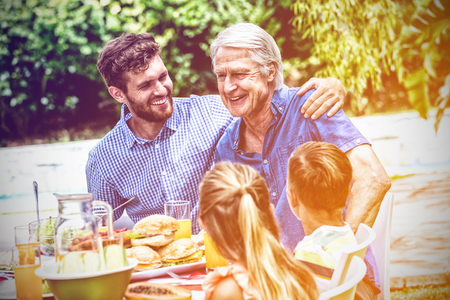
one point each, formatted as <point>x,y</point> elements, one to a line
<point>76,227</point>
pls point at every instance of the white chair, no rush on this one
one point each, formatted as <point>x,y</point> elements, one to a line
<point>346,291</point>
<point>123,222</point>
<point>364,237</point>
<point>381,245</point>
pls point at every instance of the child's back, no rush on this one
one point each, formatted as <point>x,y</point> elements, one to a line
<point>319,177</point>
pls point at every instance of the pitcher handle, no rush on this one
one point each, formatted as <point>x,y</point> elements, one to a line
<point>109,216</point>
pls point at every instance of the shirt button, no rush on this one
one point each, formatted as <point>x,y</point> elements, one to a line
<point>274,194</point>
<point>265,161</point>
<point>358,141</point>
<point>164,173</point>
<point>157,146</point>
<point>280,108</point>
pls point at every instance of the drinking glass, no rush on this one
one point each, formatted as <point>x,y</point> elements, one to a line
<point>213,258</point>
<point>76,228</point>
<point>116,258</point>
<point>101,215</point>
<point>23,237</point>
<point>180,210</point>
<point>26,259</point>
<point>42,231</point>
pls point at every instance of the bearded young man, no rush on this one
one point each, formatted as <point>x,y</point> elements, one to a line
<point>162,146</point>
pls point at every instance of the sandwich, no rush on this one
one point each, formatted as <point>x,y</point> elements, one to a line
<point>182,251</point>
<point>154,231</point>
<point>147,258</point>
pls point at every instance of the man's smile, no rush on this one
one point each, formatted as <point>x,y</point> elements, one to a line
<point>236,98</point>
<point>160,102</point>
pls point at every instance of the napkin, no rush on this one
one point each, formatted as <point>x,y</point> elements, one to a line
<point>195,278</point>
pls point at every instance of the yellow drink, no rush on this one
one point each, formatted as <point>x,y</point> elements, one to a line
<point>213,258</point>
<point>185,229</point>
<point>28,285</point>
<point>28,245</point>
<point>27,253</point>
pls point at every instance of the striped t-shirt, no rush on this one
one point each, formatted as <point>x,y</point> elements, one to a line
<point>321,250</point>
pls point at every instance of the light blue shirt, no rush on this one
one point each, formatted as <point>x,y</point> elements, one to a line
<point>170,167</point>
<point>287,131</point>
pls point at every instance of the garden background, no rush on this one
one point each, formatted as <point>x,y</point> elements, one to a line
<point>390,55</point>
<point>393,57</point>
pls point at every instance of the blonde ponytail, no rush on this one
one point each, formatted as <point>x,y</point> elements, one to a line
<point>262,251</point>
<point>230,190</point>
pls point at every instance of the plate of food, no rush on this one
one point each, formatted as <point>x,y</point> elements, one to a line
<point>153,246</point>
<point>141,275</point>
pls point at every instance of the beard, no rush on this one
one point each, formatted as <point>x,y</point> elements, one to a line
<point>149,113</point>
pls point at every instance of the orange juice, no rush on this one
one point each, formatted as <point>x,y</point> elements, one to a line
<point>27,256</point>
<point>27,253</point>
<point>28,285</point>
<point>185,229</point>
<point>213,258</point>
<point>28,245</point>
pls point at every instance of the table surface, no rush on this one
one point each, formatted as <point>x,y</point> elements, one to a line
<point>197,287</point>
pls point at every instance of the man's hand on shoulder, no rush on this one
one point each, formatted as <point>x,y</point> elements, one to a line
<point>329,93</point>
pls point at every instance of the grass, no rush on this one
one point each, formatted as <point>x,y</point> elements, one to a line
<point>422,293</point>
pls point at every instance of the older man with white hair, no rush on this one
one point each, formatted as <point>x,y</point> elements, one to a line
<point>247,63</point>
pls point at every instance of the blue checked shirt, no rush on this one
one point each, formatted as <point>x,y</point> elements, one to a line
<point>170,167</point>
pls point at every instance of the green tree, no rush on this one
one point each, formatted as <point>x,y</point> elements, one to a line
<point>425,48</point>
<point>351,40</point>
<point>49,48</point>
<point>362,42</point>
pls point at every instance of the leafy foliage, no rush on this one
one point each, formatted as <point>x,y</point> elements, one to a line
<point>425,48</point>
<point>350,40</point>
<point>363,42</point>
<point>49,48</point>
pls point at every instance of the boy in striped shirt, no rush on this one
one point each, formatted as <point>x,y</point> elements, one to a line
<point>319,176</point>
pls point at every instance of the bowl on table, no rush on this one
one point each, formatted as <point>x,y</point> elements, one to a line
<point>110,284</point>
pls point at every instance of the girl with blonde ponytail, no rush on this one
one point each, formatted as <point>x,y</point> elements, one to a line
<point>236,213</point>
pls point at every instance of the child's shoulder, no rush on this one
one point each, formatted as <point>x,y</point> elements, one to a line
<point>227,289</point>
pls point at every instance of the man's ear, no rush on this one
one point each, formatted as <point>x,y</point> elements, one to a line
<point>117,94</point>
<point>272,72</point>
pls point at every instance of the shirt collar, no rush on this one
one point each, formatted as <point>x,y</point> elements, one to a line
<point>278,104</point>
<point>279,100</point>
<point>131,138</point>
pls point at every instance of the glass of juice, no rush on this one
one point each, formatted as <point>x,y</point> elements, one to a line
<point>23,237</point>
<point>213,258</point>
<point>181,211</point>
<point>26,259</point>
